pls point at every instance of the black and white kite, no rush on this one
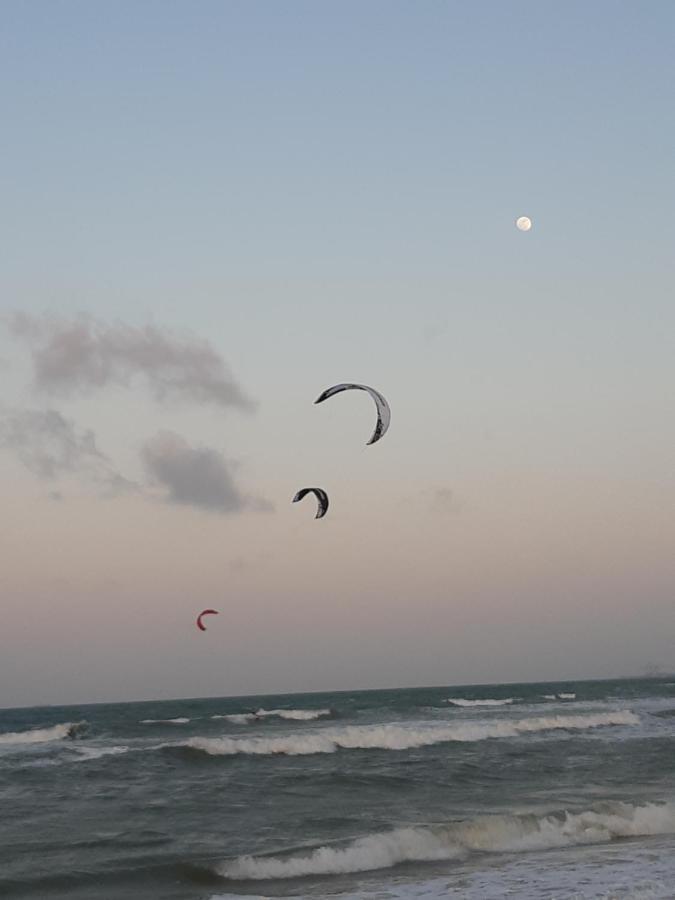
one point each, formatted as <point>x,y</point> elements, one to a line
<point>321,496</point>
<point>383,411</point>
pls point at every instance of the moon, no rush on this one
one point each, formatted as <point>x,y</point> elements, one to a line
<point>523,223</point>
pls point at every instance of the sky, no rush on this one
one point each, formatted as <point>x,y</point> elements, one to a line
<point>212,212</point>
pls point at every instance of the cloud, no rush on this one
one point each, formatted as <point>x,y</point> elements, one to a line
<point>196,476</point>
<point>50,446</point>
<point>444,500</point>
<point>85,353</point>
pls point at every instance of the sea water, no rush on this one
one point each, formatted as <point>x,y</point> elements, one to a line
<point>562,790</point>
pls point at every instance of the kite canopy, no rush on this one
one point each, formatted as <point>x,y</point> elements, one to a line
<point>206,612</point>
<point>383,411</point>
<point>321,496</point>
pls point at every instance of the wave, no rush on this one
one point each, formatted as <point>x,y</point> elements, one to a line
<point>296,715</point>
<point>457,840</point>
<point>458,701</point>
<point>562,696</point>
<point>299,715</point>
<point>177,721</point>
<point>88,753</point>
<point>238,718</point>
<point>43,735</point>
<point>398,737</point>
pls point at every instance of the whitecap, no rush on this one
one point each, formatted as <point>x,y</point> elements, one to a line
<point>238,718</point>
<point>299,715</point>
<point>176,721</point>
<point>459,701</point>
<point>457,840</point>
<point>42,735</point>
<point>400,737</point>
<point>85,754</point>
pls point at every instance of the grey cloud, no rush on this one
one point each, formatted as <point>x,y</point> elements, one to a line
<point>85,353</point>
<point>49,445</point>
<point>444,500</point>
<point>196,476</point>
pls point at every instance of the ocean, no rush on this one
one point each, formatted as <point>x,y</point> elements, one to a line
<point>545,791</point>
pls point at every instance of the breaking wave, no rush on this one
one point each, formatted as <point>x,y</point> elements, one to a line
<point>298,715</point>
<point>562,696</point>
<point>458,701</point>
<point>177,721</point>
<point>43,735</point>
<point>458,840</point>
<point>84,754</point>
<point>238,718</point>
<point>399,737</point>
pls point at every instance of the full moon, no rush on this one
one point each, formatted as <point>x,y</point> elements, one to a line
<point>523,223</point>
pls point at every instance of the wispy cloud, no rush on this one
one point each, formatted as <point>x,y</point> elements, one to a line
<point>85,353</point>
<point>51,446</point>
<point>196,476</point>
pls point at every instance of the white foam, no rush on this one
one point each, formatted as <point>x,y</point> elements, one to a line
<point>376,851</point>
<point>88,753</point>
<point>550,696</point>
<point>457,840</point>
<point>459,701</point>
<point>238,718</point>
<point>39,735</point>
<point>299,715</point>
<point>399,737</point>
<point>177,721</point>
<point>564,696</point>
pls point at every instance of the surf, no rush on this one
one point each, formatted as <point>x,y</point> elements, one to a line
<point>59,732</point>
<point>458,840</point>
<point>398,737</point>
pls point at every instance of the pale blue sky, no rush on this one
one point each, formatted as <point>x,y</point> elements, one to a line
<point>327,192</point>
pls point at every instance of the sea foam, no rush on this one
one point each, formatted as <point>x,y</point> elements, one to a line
<point>457,840</point>
<point>459,701</point>
<point>296,715</point>
<point>399,737</point>
<point>85,754</point>
<point>177,721</point>
<point>42,735</point>
<point>238,718</point>
<point>299,715</point>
